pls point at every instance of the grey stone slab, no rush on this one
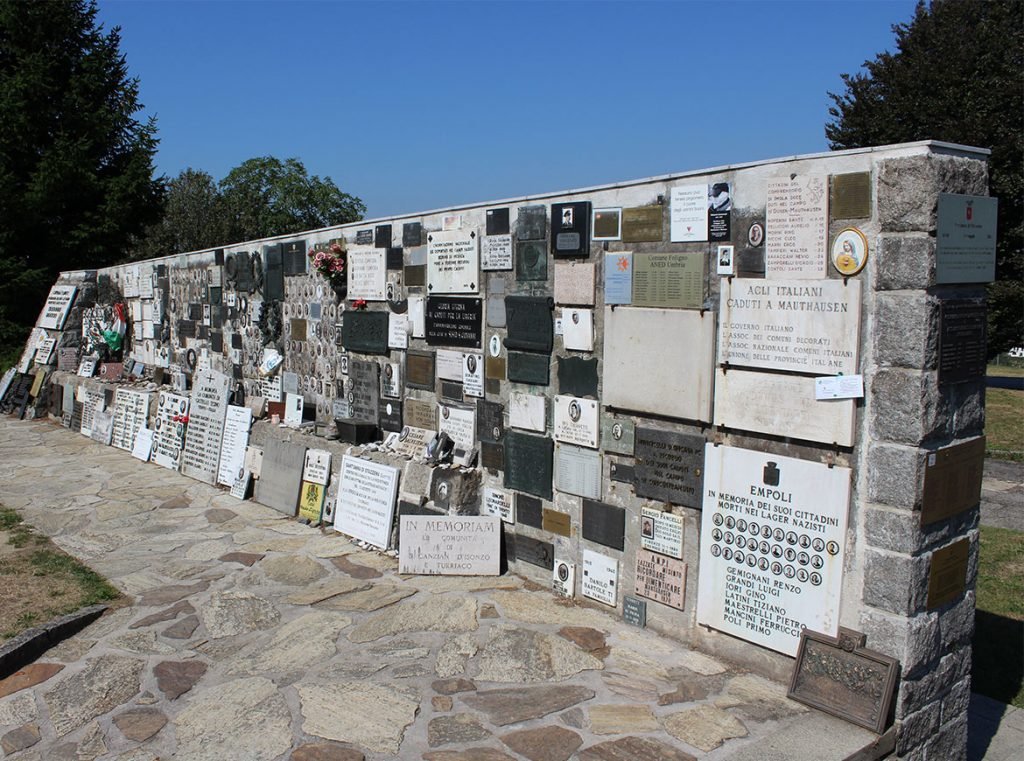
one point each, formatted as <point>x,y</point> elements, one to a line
<point>105,683</point>
<point>278,486</point>
<point>518,704</point>
<point>374,717</point>
<point>294,648</point>
<point>634,749</point>
<point>439,613</point>
<point>230,613</point>
<point>523,656</point>
<point>459,728</point>
<point>801,740</point>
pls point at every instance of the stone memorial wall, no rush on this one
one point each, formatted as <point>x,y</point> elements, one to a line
<point>725,404</point>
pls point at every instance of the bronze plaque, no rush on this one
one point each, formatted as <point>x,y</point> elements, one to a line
<point>643,224</point>
<point>494,368</point>
<point>492,456</point>
<point>673,280</point>
<point>419,369</point>
<point>556,522</point>
<point>298,329</point>
<point>838,676</point>
<point>419,414</point>
<point>952,480</point>
<point>947,574</point>
<point>851,196</point>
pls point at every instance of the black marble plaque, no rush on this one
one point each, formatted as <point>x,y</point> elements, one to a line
<point>497,221</point>
<point>492,456</point>
<point>669,466</point>
<point>570,229</point>
<point>624,474</point>
<point>451,390</point>
<point>238,270</point>
<point>577,376</point>
<point>532,223</point>
<point>236,340</point>
<point>535,552</point>
<point>362,389</point>
<point>490,421</point>
<point>187,328</point>
<point>382,236</point>
<point>634,611</point>
<point>353,432</point>
<point>365,332</point>
<point>416,275</point>
<point>412,234</point>
<point>529,511</point>
<point>364,237</point>
<point>529,323</point>
<point>216,341</point>
<point>604,524</point>
<point>195,312</point>
<point>719,225</point>
<point>390,415</point>
<point>962,341</point>
<point>218,257</point>
<point>529,368</point>
<point>419,369</point>
<point>531,260</point>
<point>213,295</point>
<point>293,254</point>
<point>273,273</point>
<point>395,258</point>
<point>529,463</point>
<point>454,321</point>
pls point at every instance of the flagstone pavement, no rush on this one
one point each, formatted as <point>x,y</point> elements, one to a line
<point>253,637</point>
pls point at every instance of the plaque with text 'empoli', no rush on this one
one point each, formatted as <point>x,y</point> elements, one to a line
<point>529,321</point>
<point>362,390</point>
<point>669,466</point>
<point>604,524</point>
<point>669,280</point>
<point>454,321</point>
<point>570,229</point>
<point>419,369</point>
<point>529,368</point>
<point>529,463</point>
<point>365,332</point>
<point>962,341</point>
<point>643,224</point>
<point>577,376</point>
<point>209,405</point>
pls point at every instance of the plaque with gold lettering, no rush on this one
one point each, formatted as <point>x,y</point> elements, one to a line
<point>669,280</point>
<point>947,574</point>
<point>952,480</point>
<point>643,224</point>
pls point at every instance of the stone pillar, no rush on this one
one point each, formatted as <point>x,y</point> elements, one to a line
<point>911,416</point>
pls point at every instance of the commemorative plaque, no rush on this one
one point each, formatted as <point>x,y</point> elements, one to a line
<point>965,243</point>
<point>530,325</point>
<point>448,365</point>
<point>169,436</point>
<point>604,524</point>
<point>570,229</point>
<point>643,224</point>
<point>578,471</point>
<point>577,329</point>
<point>453,262</point>
<point>534,369</point>
<point>364,237</point>
<point>58,304</point>
<point>293,254</point>
<point>556,522</point>
<point>496,254</point>
<point>600,577</point>
<point>947,573</point>
<point>634,611</point>
<point>366,500</point>
<point>622,473</point>
<point>563,578</point>
<point>365,332</point>
<point>419,369</point>
<point>962,341</point>
<point>532,223</point>
<point>850,196</point>
<point>531,260</point>
<point>273,273</point>
<point>497,221</point>
<point>390,415</point>
<point>237,422</point>
<point>398,331</point>
<point>576,421</point>
<point>280,475</point>
<point>574,283</point>
<point>529,511</point>
<point>661,578</point>
<point>952,480</point>
<point>363,390</point>
<point>391,380</point>
<point>490,421</point>
<point>467,545</point>
<point>535,552</point>
<point>669,466</point>
<point>454,321</point>
<point>459,423</point>
<point>669,280</point>
<point>797,227</point>
<point>499,503</point>
<point>382,236</point>
<point>201,454</point>
<point>527,411</point>
<point>420,414</point>
<point>495,369</point>
<point>131,411</point>
<point>528,463</point>
<point>492,456</point>
<point>416,275</point>
<point>688,213</point>
<point>412,234</point>
<point>661,532</point>
<point>607,223</point>
<point>451,390</point>
<point>577,376</point>
<point>367,273</point>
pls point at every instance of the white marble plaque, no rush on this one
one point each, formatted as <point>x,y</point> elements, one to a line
<point>92,402</point>
<point>233,445</point>
<point>366,500</point>
<point>102,426</point>
<point>87,367</point>
<point>293,405</point>
<point>965,243</point>
<point>272,388</point>
<point>563,578</point>
<point>810,326</point>
<point>574,283</point>
<point>497,252</point>
<point>578,329</point>
<point>688,210</point>
<point>317,467</point>
<point>240,488</point>
<point>453,262</point>
<point>418,316</point>
<point>577,421</point>
<point>44,351</point>
<point>473,374</point>
<point>398,331</point>
<point>796,218</point>
<point>131,412</point>
<point>143,446</point>
<point>499,503</point>
<point>781,405</point>
<point>450,545</point>
<point>201,454</point>
<point>578,471</point>
<point>772,546</point>
<point>660,578</point>
<point>411,441</point>
<point>169,434</point>
<point>527,411</point>
<point>661,532</point>
<point>5,383</point>
<point>659,361</point>
<point>459,423</point>
<point>600,577</point>
<point>58,304</point>
<point>254,461</point>
<point>448,365</point>
<point>367,273</point>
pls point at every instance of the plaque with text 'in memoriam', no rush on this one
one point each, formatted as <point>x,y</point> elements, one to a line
<point>529,463</point>
<point>454,321</point>
<point>365,332</point>
<point>669,466</point>
<point>530,324</point>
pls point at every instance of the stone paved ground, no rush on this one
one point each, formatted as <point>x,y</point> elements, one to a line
<point>253,637</point>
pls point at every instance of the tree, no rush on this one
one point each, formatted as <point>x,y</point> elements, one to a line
<point>266,196</point>
<point>193,218</point>
<point>956,76</point>
<point>76,165</point>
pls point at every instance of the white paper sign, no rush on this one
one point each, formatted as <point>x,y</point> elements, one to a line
<point>473,374</point>
<point>317,467</point>
<point>772,544</point>
<point>839,387</point>
<point>456,545</point>
<point>500,503</point>
<point>367,273</point>
<point>600,577</point>
<point>233,445</point>
<point>57,306</point>
<point>366,500</point>
<point>497,252</point>
<point>578,329</point>
<point>143,444</point>
<point>453,262</point>
<point>577,421</point>
<point>563,578</point>
<point>688,207</point>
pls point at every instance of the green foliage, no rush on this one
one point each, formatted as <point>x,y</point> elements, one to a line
<point>76,165</point>
<point>193,218</point>
<point>955,76</point>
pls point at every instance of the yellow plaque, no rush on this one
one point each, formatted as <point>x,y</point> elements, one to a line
<point>849,251</point>
<point>669,280</point>
<point>556,522</point>
<point>947,576</point>
<point>311,501</point>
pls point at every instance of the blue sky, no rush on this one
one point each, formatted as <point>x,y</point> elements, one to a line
<point>418,105</point>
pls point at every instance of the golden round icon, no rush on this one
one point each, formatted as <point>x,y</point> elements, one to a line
<point>850,251</point>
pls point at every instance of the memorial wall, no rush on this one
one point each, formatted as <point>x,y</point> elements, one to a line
<point>734,405</point>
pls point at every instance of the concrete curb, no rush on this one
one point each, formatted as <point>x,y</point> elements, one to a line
<point>31,643</point>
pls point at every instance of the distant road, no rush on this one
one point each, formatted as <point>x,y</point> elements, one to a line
<point>1001,381</point>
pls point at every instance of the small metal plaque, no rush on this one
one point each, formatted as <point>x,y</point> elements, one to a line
<point>838,676</point>
<point>529,511</point>
<point>419,369</point>
<point>297,328</point>
<point>451,390</point>
<point>416,275</point>
<point>364,237</point>
<point>952,480</point>
<point>530,324</point>
<point>529,368</point>
<point>577,376</point>
<point>557,522</point>
<point>535,552</point>
<point>643,224</point>
<point>532,223</point>
<point>604,524</point>
<point>634,611</point>
<point>273,273</point>
<point>618,435</point>
<point>390,415</point>
<point>622,473</point>
<point>529,463</point>
<point>365,332</point>
<point>382,236</point>
<point>674,280</point>
<point>570,229</point>
<point>454,321</point>
<point>670,466</point>
<point>962,341</point>
<point>531,260</point>
<point>497,221</point>
<point>947,574</point>
<point>490,421</point>
<point>494,368</point>
<point>420,414</point>
<point>492,456</point>
<point>851,196</point>
<point>293,255</point>
<point>412,234</point>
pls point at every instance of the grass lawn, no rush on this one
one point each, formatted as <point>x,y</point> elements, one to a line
<point>1004,423</point>
<point>1006,371</point>
<point>998,668</point>
<point>38,581</point>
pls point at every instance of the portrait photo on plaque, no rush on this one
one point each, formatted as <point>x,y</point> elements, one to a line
<point>850,251</point>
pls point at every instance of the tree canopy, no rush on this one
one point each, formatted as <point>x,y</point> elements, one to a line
<point>956,76</point>
<point>76,164</point>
